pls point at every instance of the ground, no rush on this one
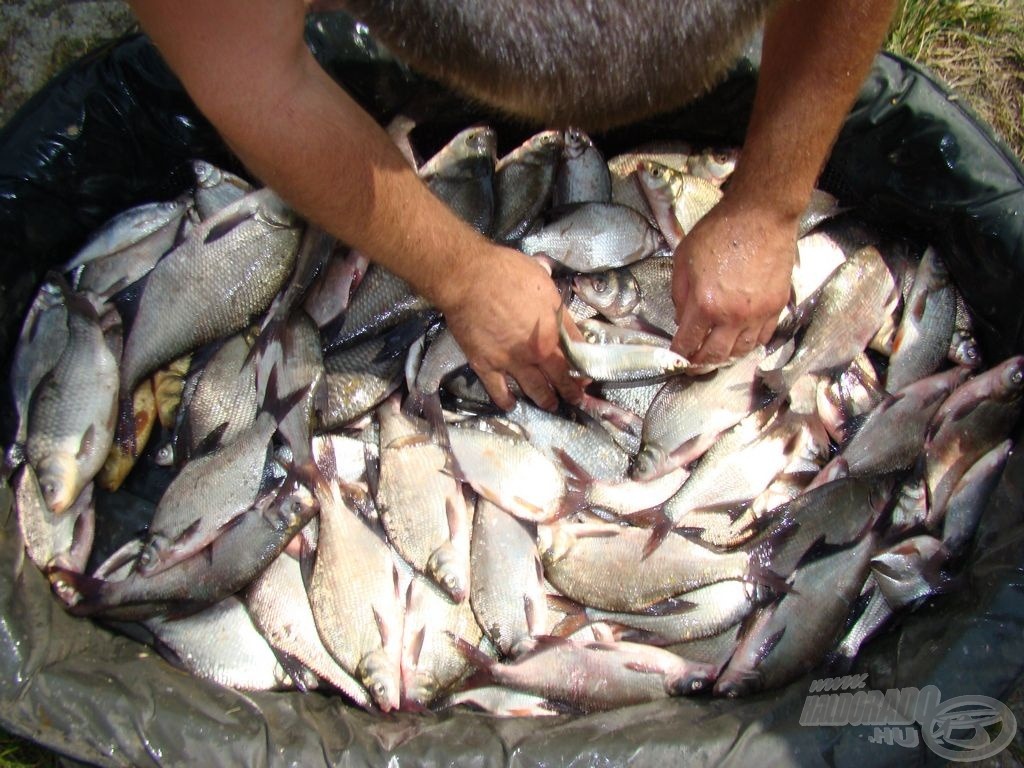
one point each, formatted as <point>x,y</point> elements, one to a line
<point>977,46</point>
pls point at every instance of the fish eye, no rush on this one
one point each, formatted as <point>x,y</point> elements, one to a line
<point>720,157</point>
<point>378,690</point>
<point>600,284</point>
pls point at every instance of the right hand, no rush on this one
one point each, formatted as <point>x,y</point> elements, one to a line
<point>503,310</point>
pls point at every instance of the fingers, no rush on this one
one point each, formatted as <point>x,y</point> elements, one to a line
<point>537,387</point>
<point>718,346</point>
<point>497,387</point>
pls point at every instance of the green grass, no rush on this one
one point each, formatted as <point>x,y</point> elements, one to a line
<point>18,753</point>
<point>977,47</point>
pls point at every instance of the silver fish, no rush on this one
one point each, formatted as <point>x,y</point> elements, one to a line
<point>355,595</point>
<point>693,615</point>
<point>677,200</point>
<point>277,602</point>
<point>462,175</point>
<point>579,558</point>
<point>974,419</point>
<point>583,175</point>
<point>152,225</point>
<point>216,188</point>
<point>591,677</point>
<point>221,644</point>
<point>508,471</point>
<point>431,665</point>
<point>40,344</point>
<point>892,435</point>
<point>593,237</point>
<point>688,414</point>
<point>921,344</point>
<point>420,505</point>
<point>61,541</point>
<point>507,583</point>
<point>790,637</point>
<point>185,302</point>
<point>73,410</point>
<point>909,572</point>
<point>622,363</point>
<point>523,181</point>
<point>968,498</point>
<point>231,562</point>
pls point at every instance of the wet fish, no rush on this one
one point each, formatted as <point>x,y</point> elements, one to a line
<point>974,419</point>
<point>277,602</point>
<point>185,300</point>
<point>221,644</point>
<point>578,559</point>
<point>523,181</point>
<point>73,409</point>
<point>622,363</point>
<point>922,342</point>
<point>508,471</point>
<point>593,237</point>
<point>53,540</point>
<point>969,496</point>
<point>231,562</point>
<point>507,583</point>
<point>850,310</point>
<point>355,595</point>
<point>152,227</point>
<point>596,676</point>
<point>216,188</point>
<point>462,175</point>
<point>583,175</point>
<point>677,200</point>
<point>421,506</point>
<point>689,413</point>
<point>791,636</point>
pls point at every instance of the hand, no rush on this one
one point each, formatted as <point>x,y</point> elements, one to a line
<point>731,279</point>
<point>503,315</point>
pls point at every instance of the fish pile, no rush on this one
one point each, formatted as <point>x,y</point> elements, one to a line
<point>338,505</point>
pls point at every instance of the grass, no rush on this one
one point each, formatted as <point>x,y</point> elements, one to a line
<point>977,47</point>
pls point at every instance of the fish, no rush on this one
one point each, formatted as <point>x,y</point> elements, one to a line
<point>279,607</point>
<point>974,419</point>
<point>216,188</point>
<point>592,237</point>
<point>591,677</point>
<point>968,498</point>
<point>230,563</point>
<point>355,594</point>
<point>184,303</point>
<point>583,175</point>
<point>523,181</point>
<point>922,341</point>
<point>431,666</point>
<point>151,227</point>
<point>53,540</point>
<point>421,506</point>
<point>462,175</point>
<point>44,334</point>
<point>678,200</point>
<point>221,644</point>
<point>74,409</point>
<point>506,579</point>
<point>789,637</point>
<point>578,558</point>
<point>508,471</point>
<point>621,363</point>
<point>688,414</point>
<point>850,310</point>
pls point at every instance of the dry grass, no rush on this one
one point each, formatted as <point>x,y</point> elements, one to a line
<point>977,47</point>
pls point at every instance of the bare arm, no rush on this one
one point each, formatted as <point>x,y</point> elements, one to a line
<point>733,270</point>
<point>245,64</point>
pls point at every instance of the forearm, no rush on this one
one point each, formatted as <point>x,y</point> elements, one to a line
<point>304,136</point>
<point>816,54</point>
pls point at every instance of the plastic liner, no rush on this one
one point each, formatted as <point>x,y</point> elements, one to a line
<point>116,129</point>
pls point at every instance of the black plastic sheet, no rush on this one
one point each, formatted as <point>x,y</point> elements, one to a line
<point>116,130</point>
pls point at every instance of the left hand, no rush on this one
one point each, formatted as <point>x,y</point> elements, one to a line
<point>731,279</point>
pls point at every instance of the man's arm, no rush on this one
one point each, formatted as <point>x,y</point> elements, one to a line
<point>732,272</point>
<point>246,65</point>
